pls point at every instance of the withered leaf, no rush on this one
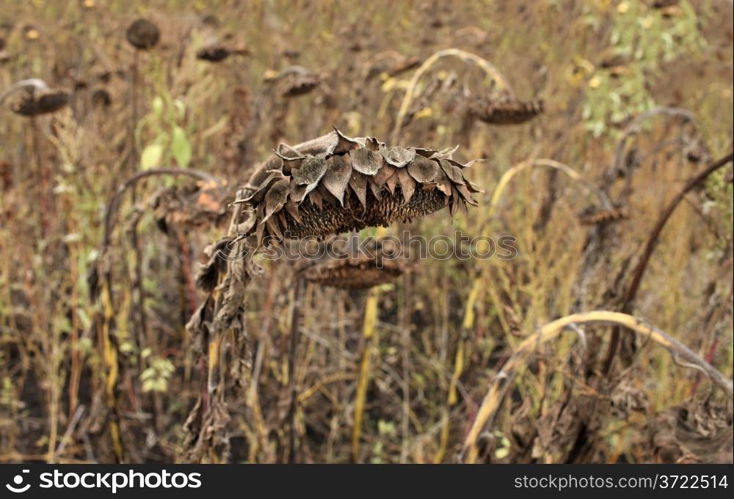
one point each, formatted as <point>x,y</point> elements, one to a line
<point>398,156</point>
<point>246,225</point>
<point>365,161</point>
<point>407,184</point>
<point>336,178</point>
<point>311,170</point>
<point>423,169</point>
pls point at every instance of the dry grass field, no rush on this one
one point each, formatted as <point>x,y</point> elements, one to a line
<point>603,130</point>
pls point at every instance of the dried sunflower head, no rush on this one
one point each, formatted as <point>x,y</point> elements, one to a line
<point>293,80</point>
<point>192,206</point>
<point>35,98</point>
<point>300,84</point>
<point>143,34</point>
<point>595,215</point>
<point>101,98</point>
<point>354,272</point>
<point>218,53</point>
<point>504,109</point>
<point>48,102</point>
<point>341,184</point>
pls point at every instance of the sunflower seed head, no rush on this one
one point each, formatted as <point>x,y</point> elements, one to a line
<point>344,184</point>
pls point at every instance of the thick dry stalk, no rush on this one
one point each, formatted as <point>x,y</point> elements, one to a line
<point>370,343</point>
<point>639,271</point>
<point>370,338</point>
<point>452,397</point>
<point>492,401</point>
<point>487,66</point>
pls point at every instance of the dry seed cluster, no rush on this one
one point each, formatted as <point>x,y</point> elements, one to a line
<point>351,184</point>
<point>35,102</point>
<point>354,273</point>
<point>504,110</point>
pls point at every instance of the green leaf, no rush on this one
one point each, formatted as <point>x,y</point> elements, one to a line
<point>158,106</point>
<point>151,156</point>
<point>180,147</point>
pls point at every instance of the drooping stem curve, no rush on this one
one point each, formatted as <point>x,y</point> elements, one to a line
<point>495,395</point>
<point>484,64</point>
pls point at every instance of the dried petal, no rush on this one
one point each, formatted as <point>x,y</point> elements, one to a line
<point>398,156</point>
<point>336,179</point>
<point>258,192</point>
<point>452,171</point>
<point>426,153</point>
<point>311,170</point>
<point>298,192</point>
<point>365,161</point>
<point>443,183</point>
<point>383,174</point>
<point>373,144</point>
<point>376,189</point>
<point>343,144</point>
<point>471,186</point>
<point>465,194</point>
<point>292,208</point>
<point>391,183</point>
<point>407,184</point>
<point>316,199</point>
<point>273,228</point>
<point>276,197</point>
<point>358,183</point>
<point>423,169</point>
